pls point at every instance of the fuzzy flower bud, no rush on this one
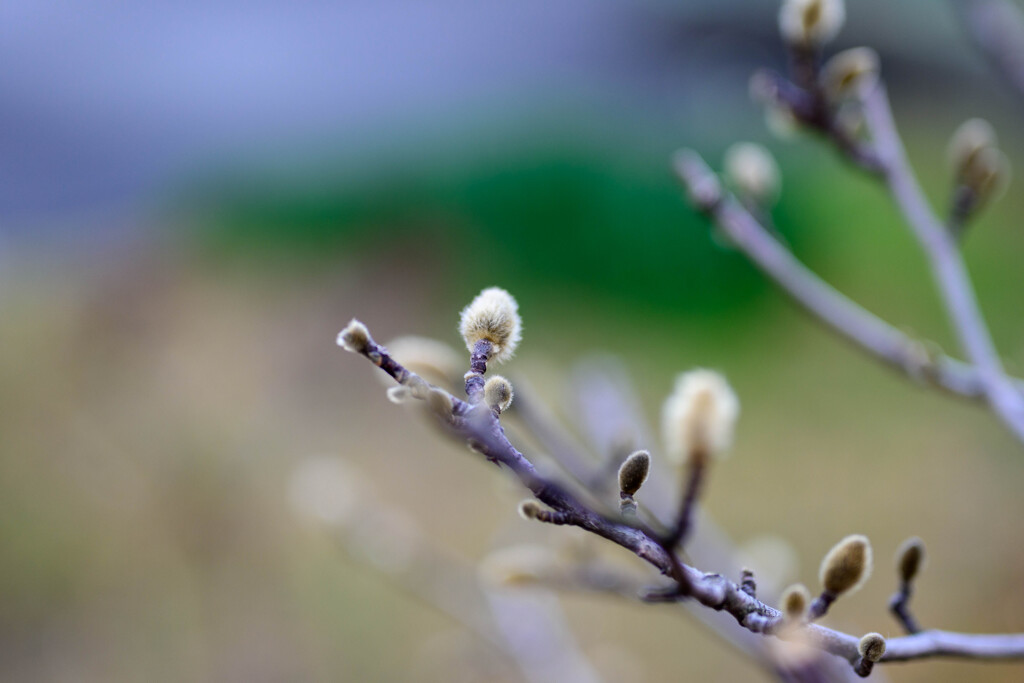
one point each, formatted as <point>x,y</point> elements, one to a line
<point>872,647</point>
<point>850,73</point>
<point>810,23</point>
<point>498,393</point>
<point>530,509</point>
<point>795,601</point>
<point>970,138</point>
<point>847,565</point>
<point>699,416</point>
<point>910,559</point>
<point>633,472</point>
<point>355,337</point>
<point>752,171</point>
<point>492,316</point>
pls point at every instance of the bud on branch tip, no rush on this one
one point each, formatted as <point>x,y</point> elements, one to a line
<point>492,316</point>
<point>633,472</point>
<point>498,393</point>
<point>910,559</point>
<point>847,565</point>
<point>699,416</point>
<point>355,337</point>
<point>810,23</point>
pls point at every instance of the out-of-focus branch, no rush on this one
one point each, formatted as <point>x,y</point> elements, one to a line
<point>947,264</point>
<point>997,29</point>
<point>838,312</point>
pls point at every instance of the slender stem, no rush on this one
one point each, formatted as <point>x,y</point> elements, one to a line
<point>899,605</point>
<point>826,304</point>
<point>946,262</point>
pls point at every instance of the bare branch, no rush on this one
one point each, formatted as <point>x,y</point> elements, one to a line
<point>481,427</point>
<point>947,264</point>
<point>838,312</point>
<point>997,29</point>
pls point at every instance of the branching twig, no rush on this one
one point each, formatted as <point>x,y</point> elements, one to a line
<point>828,305</point>
<point>481,427</point>
<point>947,264</point>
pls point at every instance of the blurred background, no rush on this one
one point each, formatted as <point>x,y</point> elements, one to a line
<point>196,196</point>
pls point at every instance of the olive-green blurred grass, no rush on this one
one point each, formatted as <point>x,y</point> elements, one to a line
<point>153,409</point>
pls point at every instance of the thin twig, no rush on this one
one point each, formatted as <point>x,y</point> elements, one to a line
<point>838,312</point>
<point>946,262</point>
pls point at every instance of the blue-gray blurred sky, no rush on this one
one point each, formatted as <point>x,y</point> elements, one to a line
<point>106,103</point>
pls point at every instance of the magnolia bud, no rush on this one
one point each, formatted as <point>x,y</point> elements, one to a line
<point>530,509</point>
<point>910,559</point>
<point>872,647</point>
<point>699,416</point>
<point>633,472</point>
<point>355,337</point>
<point>847,565</point>
<point>850,73</point>
<point>498,393</point>
<point>752,171</point>
<point>492,316</point>
<point>810,23</point>
<point>795,601</point>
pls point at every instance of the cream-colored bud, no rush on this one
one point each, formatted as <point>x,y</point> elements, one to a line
<point>847,565</point>
<point>910,559</point>
<point>753,172</point>
<point>872,647</point>
<point>973,136</point>
<point>493,316</point>
<point>988,174</point>
<point>795,601</point>
<point>850,73</point>
<point>498,393</point>
<point>811,23</point>
<point>633,472</point>
<point>699,416</point>
<point>355,337</point>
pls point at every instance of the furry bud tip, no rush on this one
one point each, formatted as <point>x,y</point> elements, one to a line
<point>492,316</point>
<point>910,559</point>
<point>850,73</point>
<point>498,393</point>
<point>795,601</point>
<point>847,565</point>
<point>530,509</point>
<point>699,417</point>
<point>872,647</point>
<point>355,337</point>
<point>633,472</point>
<point>753,172</point>
<point>811,23</point>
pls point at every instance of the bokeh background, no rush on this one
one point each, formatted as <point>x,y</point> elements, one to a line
<point>196,196</point>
